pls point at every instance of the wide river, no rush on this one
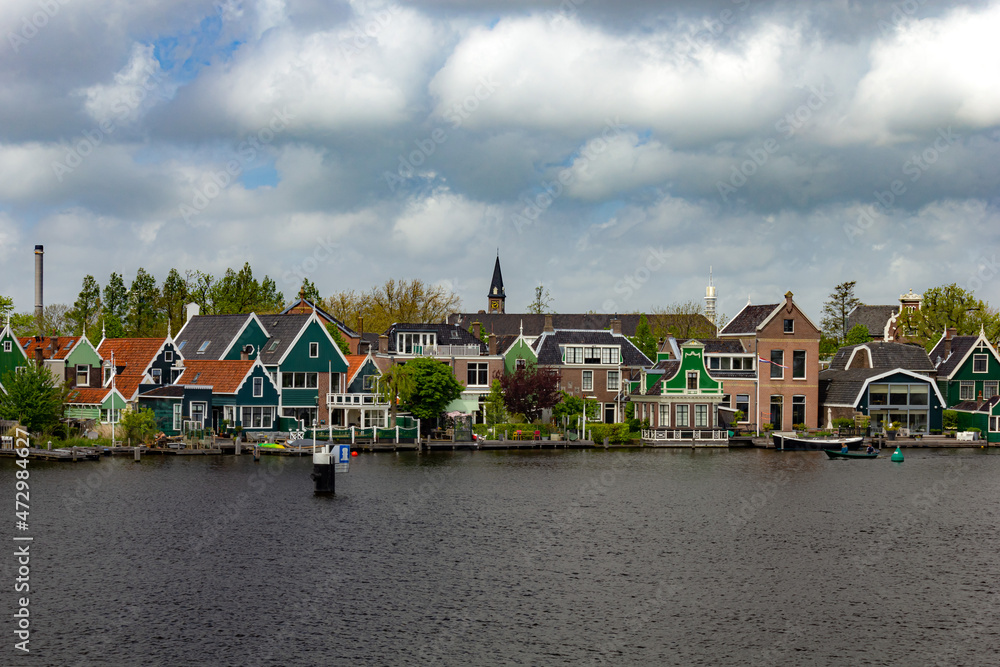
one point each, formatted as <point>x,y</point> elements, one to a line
<point>637,557</point>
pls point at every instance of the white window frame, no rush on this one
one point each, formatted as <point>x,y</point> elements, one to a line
<point>258,387</point>
<point>229,414</point>
<point>664,415</point>
<point>746,413</point>
<point>477,368</point>
<point>85,370</point>
<point>369,382</point>
<point>691,375</point>
<point>784,325</point>
<point>7,346</point>
<point>204,346</point>
<point>614,383</point>
<point>257,416</point>
<point>805,365</point>
<point>313,350</point>
<point>700,410</point>
<point>994,424</point>
<point>994,385</point>
<point>971,386</point>
<point>771,375</point>
<point>177,415</point>
<point>682,416</point>
<point>976,358</point>
<point>587,381</point>
<point>204,411</point>
<point>156,375</point>
<point>168,356</point>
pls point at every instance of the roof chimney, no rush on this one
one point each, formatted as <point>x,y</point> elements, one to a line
<point>949,333</point>
<point>477,330</point>
<point>788,300</point>
<point>191,310</point>
<point>383,344</point>
<point>548,323</point>
<point>39,356</point>
<point>493,344</point>
<point>39,307</point>
<point>616,324</point>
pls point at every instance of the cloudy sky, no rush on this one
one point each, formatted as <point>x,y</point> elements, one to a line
<point>612,151</point>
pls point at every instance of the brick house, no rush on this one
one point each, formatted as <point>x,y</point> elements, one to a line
<point>787,380</point>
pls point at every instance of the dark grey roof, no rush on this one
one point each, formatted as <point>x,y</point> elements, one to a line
<point>509,324</point>
<point>443,331</point>
<point>886,356</point>
<point>497,281</point>
<point>283,330</point>
<point>220,330</point>
<point>977,406</point>
<point>842,387</point>
<point>960,346</point>
<point>873,317</point>
<point>170,391</point>
<point>322,313</point>
<point>547,346</point>
<point>747,320</point>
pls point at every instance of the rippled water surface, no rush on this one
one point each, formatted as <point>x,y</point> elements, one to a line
<point>649,557</point>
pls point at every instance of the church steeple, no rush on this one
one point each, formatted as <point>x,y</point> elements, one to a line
<point>496,296</point>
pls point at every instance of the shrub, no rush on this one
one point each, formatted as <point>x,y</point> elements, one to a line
<point>799,427</point>
<point>973,429</point>
<point>615,433</point>
<point>767,427</point>
<point>843,422</point>
<point>950,419</point>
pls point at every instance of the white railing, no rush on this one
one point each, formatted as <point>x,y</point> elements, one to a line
<point>444,351</point>
<point>683,434</point>
<point>351,400</point>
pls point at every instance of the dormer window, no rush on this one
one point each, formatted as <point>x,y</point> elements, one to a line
<point>204,346</point>
<point>274,345</point>
<point>182,344</point>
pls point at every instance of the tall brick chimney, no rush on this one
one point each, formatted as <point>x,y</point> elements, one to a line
<point>383,344</point>
<point>616,324</point>
<point>949,333</point>
<point>477,330</point>
<point>548,323</point>
<point>492,344</point>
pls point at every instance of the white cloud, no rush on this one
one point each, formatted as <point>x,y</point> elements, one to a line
<point>930,73</point>
<point>438,222</point>
<point>137,86</point>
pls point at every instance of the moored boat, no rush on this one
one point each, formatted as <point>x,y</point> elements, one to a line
<point>837,454</point>
<point>792,444</point>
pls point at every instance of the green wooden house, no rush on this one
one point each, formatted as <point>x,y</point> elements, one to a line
<point>519,354</point>
<point>12,355</point>
<point>968,368</point>
<point>679,393</point>
<point>101,405</point>
<point>984,415</point>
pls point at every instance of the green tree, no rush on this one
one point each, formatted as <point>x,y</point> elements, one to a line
<point>6,307</point>
<point>138,426</point>
<point>495,411</point>
<point>394,301</point>
<point>944,307</point>
<point>87,307</point>
<point>541,302</point>
<point>115,298</point>
<point>827,346</point>
<point>309,292</point>
<point>393,385</point>
<point>173,296</point>
<point>143,305</point>
<point>431,387</point>
<point>338,338</point>
<point>240,292</point>
<point>199,287</point>
<point>33,398</point>
<point>530,390</point>
<point>570,407</point>
<point>644,338</point>
<point>858,334</point>
<point>835,311</point>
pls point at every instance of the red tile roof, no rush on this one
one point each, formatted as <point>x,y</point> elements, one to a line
<point>128,385</point>
<point>135,354</point>
<point>88,395</point>
<point>354,364</point>
<point>225,377</point>
<point>62,345</point>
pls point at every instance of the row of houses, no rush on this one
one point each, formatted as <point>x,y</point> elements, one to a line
<point>286,371</point>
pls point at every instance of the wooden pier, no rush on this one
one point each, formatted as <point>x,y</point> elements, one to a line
<point>72,454</point>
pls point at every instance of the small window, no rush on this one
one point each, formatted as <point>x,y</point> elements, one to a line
<point>612,380</point>
<point>168,356</point>
<point>520,363</point>
<point>967,391</point>
<point>990,389</point>
<point>177,416</point>
<point>82,375</point>
<point>588,380</point>
<point>181,345</point>
<point>368,382</point>
<point>789,326</point>
<point>258,387</point>
<point>204,346</point>
<point>979,363</point>
<point>274,346</point>
<point>313,350</point>
<point>157,376</point>
<point>692,381</point>
<point>682,416</point>
<point>7,346</point>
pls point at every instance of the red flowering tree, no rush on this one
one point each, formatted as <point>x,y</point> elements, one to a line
<point>530,390</point>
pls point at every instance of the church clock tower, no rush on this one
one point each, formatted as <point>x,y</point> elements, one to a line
<point>496,296</point>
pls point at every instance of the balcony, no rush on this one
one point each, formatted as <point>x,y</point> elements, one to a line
<point>355,400</point>
<point>471,350</point>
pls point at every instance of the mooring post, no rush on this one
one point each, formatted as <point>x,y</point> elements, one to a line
<point>397,434</point>
<point>74,453</point>
<point>137,454</point>
<point>256,452</point>
<point>236,444</point>
<point>49,447</point>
